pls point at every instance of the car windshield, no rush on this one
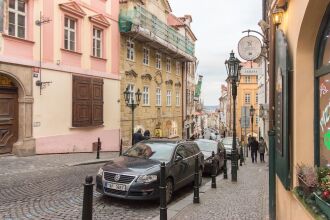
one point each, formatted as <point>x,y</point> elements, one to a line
<point>207,146</point>
<point>152,150</point>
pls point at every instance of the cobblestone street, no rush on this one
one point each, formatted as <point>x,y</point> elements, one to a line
<point>43,187</point>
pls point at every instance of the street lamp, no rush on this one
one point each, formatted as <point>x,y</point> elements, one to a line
<point>132,103</point>
<point>233,67</point>
<point>252,110</point>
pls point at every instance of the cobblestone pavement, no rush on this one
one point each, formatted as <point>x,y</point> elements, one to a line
<point>44,188</point>
<point>245,200</point>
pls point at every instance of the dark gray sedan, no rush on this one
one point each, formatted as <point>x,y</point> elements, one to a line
<point>135,175</point>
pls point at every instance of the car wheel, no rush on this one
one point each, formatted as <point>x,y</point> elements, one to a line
<point>169,190</point>
<point>217,169</point>
<point>200,176</point>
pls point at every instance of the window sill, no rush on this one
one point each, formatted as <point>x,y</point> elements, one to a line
<point>146,105</point>
<point>99,58</point>
<point>70,51</point>
<point>87,127</point>
<point>133,61</point>
<point>17,39</point>
<point>147,65</point>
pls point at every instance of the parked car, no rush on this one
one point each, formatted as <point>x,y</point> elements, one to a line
<point>207,146</point>
<point>135,175</point>
<point>228,144</point>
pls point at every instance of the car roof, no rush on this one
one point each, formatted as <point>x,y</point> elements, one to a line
<point>206,140</point>
<point>163,140</point>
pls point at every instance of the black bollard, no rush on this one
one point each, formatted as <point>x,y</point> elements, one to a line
<point>98,148</point>
<point>87,212</point>
<point>196,184</point>
<point>121,147</point>
<point>162,193</point>
<point>247,150</point>
<point>241,156</point>
<point>214,172</point>
<point>225,176</point>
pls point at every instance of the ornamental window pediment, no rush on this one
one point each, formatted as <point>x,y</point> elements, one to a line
<point>73,8</point>
<point>100,20</point>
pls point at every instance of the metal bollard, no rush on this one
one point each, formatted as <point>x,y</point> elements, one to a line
<point>121,147</point>
<point>225,175</point>
<point>162,193</point>
<point>196,184</point>
<point>87,212</point>
<point>247,150</point>
<point>98,148</point>
<point>213,170</point>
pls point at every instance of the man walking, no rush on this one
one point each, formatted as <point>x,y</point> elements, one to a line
<point>137,137</point>
<point>254,149</point>
<point>262,149</point>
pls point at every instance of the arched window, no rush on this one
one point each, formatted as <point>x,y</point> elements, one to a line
<point>322,111</point>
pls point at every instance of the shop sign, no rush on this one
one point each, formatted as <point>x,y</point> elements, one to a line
<point>249,47</point>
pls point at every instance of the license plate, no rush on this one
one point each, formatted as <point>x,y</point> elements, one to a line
<point>116,186</point>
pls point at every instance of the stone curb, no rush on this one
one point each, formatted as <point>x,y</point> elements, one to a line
<point>175,208</point>
<point>96,161</point>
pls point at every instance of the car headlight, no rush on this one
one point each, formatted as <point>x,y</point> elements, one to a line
<point>146,178</point>
<point>100,172</point>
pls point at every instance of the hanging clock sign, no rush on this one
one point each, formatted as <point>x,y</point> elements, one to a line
<point>249,48</point>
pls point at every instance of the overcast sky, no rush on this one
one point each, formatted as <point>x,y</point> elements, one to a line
<point>218,26</point>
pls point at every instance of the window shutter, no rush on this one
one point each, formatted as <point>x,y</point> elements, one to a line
<point>97,102</point>
<point>81,101</point>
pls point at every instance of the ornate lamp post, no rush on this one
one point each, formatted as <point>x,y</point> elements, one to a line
<point>132,103</point>
<point>252,110</point>
<point>232,65</point>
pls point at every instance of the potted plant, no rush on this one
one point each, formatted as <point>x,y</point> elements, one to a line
<point>307,178</point>
<point>322,195</point>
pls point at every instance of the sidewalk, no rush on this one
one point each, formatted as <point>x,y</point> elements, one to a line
<point>245,200</point>
<point>14,165</point>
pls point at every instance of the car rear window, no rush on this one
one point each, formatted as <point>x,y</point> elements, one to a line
<point>207,146</point>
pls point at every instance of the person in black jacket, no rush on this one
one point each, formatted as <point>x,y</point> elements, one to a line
<point>137,136</point>
<point>254,149</point>
<point>146,134</point>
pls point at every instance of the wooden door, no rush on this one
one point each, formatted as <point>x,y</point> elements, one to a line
<point>8,119</point>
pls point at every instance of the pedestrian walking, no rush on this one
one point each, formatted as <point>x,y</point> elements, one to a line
<point>254,149</point>
<point>262,149</point>
<point>146,134</point>
<point>249,142</point>
<point>137,136</point>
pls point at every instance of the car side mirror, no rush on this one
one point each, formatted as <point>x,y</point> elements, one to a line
<point>178,158</point>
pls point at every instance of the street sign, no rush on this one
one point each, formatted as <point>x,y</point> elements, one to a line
<point>249,48</point>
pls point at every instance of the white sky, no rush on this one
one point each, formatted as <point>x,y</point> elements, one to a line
<point>218,26</point>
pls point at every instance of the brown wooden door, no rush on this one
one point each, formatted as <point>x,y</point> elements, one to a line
<point>8,119</point>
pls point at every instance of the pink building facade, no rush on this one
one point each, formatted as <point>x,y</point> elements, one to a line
<point>59,76</point>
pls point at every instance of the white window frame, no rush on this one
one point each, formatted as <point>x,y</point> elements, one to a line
<point>247,79</point>
<point>177,98</point>
<point>168,64</point>
<point>146,53</point>
<point>131,90</point>
<point>70,31</point>
<point>168,98</point>
<point>16,12</point>
<point>158,97</point>
<point>158,61</point>
<point>130,50</point>
<point>145,96</point>
<point>95,40</point>
<point>257,98</point>
<point>247,98</point>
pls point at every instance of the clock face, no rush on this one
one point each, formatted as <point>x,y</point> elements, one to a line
<point>249,48</point>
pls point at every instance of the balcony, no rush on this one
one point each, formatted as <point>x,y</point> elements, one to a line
<point>140,24</point>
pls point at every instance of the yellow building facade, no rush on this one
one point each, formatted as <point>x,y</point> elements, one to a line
<point>154,65</point>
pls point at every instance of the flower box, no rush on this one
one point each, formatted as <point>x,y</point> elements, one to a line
<point>323,205</point>
<point>306,188</point>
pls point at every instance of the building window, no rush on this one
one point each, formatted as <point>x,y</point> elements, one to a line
<point>145,95</point>
<point>17,17</point>
<point>146,56</point>
<point>177,98</point>
<point>87,101</point>
<point>158,97</point>
<point>69,34</point>
<point>247,98</point>
<point>247,79</point>
<point>178,68</point>
<point>158,61</point>
<point>168,65</point>
<point>130,53</point>
<point>257,98</point>
<point>168,98</point>
<point>97,42</point>
<point>131,91</point>
<point>257,120</point>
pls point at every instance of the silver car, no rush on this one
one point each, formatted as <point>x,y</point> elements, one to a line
<point>228,144</point>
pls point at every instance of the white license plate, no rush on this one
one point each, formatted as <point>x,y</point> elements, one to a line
<point>116,186</point>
